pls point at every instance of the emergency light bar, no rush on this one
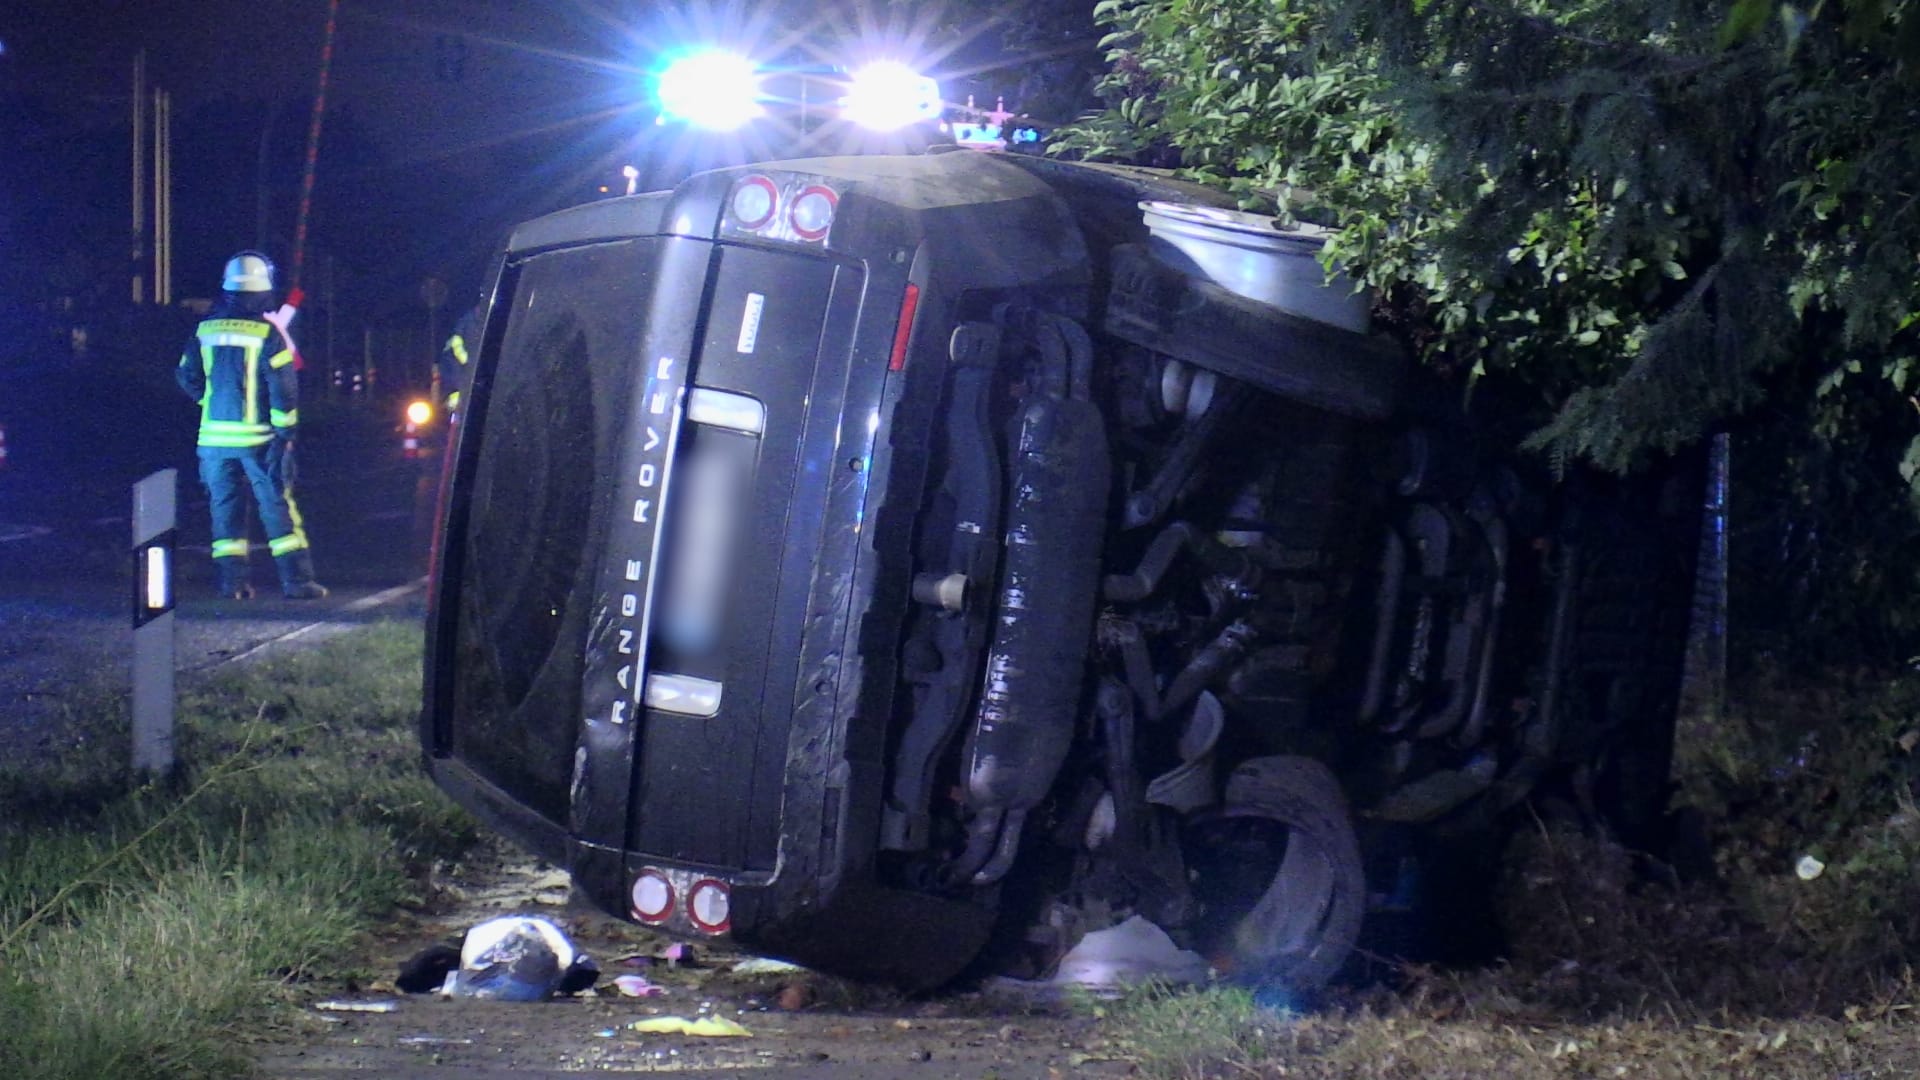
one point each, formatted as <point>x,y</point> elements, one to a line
<point>719,90</point>
<point>711,89</point>
<point>889,95</point>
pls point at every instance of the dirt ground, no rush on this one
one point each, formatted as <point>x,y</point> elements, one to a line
<point>801,1024</point>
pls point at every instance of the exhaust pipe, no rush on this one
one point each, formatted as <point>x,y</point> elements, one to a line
<point>1059,477</point>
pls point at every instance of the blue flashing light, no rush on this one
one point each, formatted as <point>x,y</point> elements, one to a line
<point>889,95</point>
<point>709,88</point>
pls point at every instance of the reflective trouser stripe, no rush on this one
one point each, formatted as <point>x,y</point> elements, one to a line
<point>296,539</point>
<point>224,549</point>
<point>287,418</point>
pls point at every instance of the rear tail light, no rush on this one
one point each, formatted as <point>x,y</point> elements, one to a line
<point>709,906</point>
<point>652,897</point>
<point>754,202</point>
<point>791,208</point>
<point>811,213</point>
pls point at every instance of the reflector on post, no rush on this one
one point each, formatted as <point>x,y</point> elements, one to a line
<point>153,599</point>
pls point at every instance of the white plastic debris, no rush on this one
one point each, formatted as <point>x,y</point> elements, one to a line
<point>359,1006</point>
<point>518,958</point>
<point>1108,961</point>
<point>1809,868</point>
<point>1132,952</point>
<point>765,965</point>
<point>637,986</point>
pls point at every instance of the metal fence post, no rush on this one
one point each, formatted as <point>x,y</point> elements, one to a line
<point>154,505</point>
<point>1704,687</point>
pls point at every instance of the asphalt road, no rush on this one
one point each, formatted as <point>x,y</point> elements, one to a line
<point>77,441</point>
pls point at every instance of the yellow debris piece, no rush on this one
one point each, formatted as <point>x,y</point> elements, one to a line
<point>717,1027</point>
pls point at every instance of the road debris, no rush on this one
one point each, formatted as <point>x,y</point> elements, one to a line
<point>509,958</point>
<point>716,1027</point>
<point>637,986</point>
<point>553,889</point>
<point>765,965</point>
<point>384,1006</point>
<point>1108,961</point>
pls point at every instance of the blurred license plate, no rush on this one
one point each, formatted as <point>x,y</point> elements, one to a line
<point>712,485</point>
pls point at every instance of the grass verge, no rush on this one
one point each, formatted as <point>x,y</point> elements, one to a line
<point>144,926</point>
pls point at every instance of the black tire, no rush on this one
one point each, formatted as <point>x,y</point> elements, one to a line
<point>1280,886</point>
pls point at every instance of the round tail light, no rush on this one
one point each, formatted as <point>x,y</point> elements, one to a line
<point>811,214</point>
<point>652,897</point>
<point>709,906</point>
<point>754,202</point>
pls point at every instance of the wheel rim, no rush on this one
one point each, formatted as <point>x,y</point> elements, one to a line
<point>1278,881</point>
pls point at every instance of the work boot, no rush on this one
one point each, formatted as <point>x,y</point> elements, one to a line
<point>233,583</point>
<point>296,576</point>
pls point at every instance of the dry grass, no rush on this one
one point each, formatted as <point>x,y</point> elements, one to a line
<point>1612,971</point>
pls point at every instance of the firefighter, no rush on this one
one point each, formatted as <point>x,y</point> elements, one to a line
<point>240,368</point>
<point>454,355</point>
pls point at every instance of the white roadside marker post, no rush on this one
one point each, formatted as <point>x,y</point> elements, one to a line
<point>153,652</point>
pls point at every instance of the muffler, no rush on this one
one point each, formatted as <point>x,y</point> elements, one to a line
<point>1058,479</point>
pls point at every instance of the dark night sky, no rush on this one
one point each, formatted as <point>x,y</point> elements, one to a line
<point>448,121</point>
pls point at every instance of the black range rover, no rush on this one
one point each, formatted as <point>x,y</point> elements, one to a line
<point>870,558</point>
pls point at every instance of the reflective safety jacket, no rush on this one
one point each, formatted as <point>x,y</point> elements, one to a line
<point>240,370</point>
<point>455,353</point>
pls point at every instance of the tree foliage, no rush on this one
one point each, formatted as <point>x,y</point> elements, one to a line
<point>1644,208</point>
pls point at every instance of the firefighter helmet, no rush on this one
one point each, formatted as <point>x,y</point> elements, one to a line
<point>249,272</point>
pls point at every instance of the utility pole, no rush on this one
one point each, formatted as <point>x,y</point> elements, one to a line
<point>139,177</point>
<point>313,152</point>
<point>162,197</point>
<point>159,244</point>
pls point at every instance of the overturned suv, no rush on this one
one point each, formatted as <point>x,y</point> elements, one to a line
<point>878,558</point>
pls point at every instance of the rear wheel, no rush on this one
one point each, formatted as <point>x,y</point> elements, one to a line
<point>1277,877</point>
